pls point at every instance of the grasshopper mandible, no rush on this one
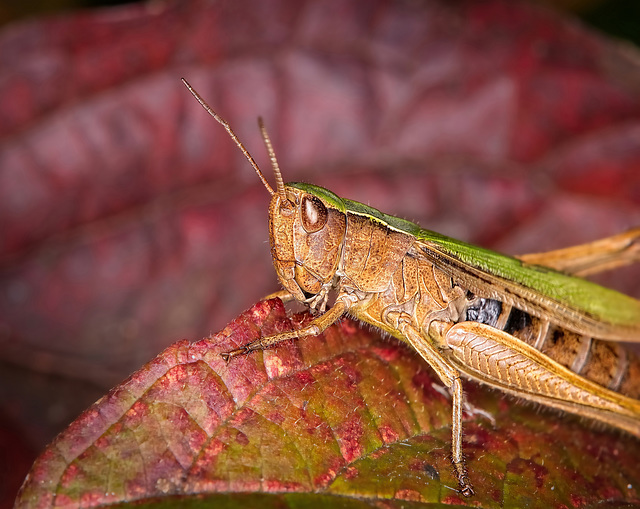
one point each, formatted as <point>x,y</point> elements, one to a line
<point>528,326</point>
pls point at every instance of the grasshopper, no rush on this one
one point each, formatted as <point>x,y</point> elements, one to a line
<point>529,326</point>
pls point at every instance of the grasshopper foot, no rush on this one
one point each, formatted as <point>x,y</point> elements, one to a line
<point>227,356</point>
<point>466,489</point>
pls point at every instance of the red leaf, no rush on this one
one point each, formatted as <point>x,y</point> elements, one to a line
<point>345,414</point>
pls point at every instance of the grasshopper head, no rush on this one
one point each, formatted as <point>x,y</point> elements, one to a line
<point>307,235</point>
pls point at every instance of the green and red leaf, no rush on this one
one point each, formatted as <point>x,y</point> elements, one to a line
<point>344,415</point>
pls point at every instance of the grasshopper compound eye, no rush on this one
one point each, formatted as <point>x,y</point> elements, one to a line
<point>314,214</point>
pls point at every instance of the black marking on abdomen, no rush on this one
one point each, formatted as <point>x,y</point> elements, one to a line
<point>518,320</point>
<point>484,311</point>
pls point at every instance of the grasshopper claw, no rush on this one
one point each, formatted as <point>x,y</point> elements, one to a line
<point>227,356</point>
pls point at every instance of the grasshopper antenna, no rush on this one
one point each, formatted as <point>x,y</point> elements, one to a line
<point>246,153</point>
<point>274,162</point>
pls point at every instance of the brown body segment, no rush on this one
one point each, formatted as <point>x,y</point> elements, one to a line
<point>372,254</point>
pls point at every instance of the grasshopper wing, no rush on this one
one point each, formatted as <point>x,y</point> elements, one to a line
<point>573,302</point>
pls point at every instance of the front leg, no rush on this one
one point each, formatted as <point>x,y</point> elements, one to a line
<point>284,295</point>
<point>317,326</point>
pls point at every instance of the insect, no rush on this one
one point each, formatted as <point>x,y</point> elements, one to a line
<point>527,326</point>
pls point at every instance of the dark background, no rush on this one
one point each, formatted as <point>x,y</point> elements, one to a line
<point>620,18</point>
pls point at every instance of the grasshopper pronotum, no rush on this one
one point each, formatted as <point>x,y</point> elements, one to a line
<point>516,324</point>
